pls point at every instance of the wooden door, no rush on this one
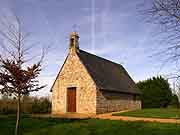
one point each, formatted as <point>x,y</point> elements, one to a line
<point>71,99</point>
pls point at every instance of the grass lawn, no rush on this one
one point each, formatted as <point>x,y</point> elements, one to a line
<point>153,113</point>
<point>52,126</point>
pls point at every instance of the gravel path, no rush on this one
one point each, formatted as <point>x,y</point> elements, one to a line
<point>127,118</point>
<point>109,116</point>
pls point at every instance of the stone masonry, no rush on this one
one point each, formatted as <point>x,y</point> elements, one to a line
<point>106,102</point>
<point>89,98</point>
<point>74,74</point>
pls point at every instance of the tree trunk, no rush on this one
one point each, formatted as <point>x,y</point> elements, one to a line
<point>18,115</point>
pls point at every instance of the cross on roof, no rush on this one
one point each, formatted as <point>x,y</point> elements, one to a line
<point>75,27</point>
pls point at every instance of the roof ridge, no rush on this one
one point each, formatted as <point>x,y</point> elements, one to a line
<point>101,58</point>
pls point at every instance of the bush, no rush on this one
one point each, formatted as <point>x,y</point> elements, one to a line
<point>7,106</point>
<point>29,105</point>
<point>42,105</point>
<point>156,92</point>
<point>174,102</point>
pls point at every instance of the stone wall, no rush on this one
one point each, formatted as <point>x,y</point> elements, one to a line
<point>113,101</point>
<point>88,99</point>
<point>74,74</point>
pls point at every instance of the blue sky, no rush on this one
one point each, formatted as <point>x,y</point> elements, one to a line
<point>113,29</point>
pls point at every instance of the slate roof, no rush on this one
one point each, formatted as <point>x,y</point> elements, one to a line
<point>108,75</point>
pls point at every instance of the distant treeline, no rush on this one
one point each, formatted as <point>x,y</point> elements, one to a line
<point>29,104</point>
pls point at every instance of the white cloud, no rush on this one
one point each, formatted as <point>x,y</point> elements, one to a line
<point>44,80</point>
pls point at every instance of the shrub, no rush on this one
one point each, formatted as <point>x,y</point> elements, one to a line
<point>174,101</point>
<point>156,92</point>
<point>42,105</point>
<point>28,105</point>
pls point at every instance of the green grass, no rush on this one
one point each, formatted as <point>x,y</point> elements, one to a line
<point>52,126</point>
<point>153,113</point>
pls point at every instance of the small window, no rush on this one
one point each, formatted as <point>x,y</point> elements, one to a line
<point>72,41</point>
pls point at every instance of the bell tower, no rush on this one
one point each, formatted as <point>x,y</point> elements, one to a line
<point>74,42</point>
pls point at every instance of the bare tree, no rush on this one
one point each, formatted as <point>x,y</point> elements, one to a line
<point>166,13</point>
<point>17,76</point>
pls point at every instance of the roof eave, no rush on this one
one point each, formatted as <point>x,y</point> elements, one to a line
<point>117,91</point>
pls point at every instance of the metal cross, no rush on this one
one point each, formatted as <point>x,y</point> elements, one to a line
<point>75,27</point>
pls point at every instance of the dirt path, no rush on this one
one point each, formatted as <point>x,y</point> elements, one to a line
<point>110,117</point>
<point>127,118</point>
